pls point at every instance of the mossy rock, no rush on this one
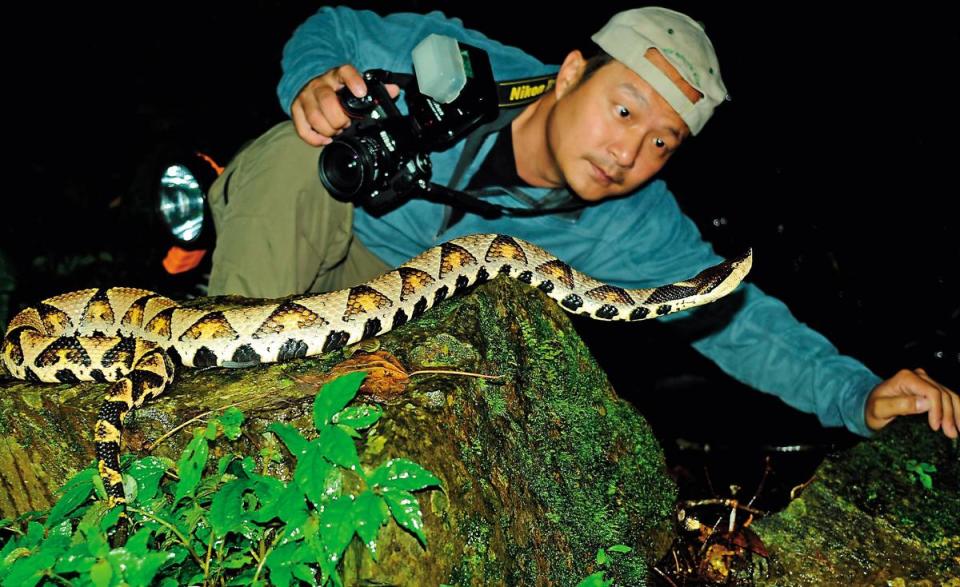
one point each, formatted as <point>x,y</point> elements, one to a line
<point>540,469</point>
<point>869,517</point>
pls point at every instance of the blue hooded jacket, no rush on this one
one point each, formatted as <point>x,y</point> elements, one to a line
<point>640,240</point>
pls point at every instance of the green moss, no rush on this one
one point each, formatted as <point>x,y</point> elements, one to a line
<point>866,520</point>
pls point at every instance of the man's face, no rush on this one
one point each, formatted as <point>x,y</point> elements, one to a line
<point>613,132</point>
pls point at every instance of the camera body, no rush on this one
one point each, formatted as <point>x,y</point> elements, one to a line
<point>382,159</point>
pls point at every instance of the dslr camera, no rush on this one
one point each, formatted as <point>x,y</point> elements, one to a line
<point>382,159</point>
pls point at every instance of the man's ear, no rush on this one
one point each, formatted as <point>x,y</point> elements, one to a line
<point>570,73</point>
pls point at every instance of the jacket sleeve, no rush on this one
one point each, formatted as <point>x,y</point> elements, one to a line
<point>364,39</point>
<point>758,341</point>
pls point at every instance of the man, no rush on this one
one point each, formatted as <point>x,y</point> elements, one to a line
<point>598,136</point>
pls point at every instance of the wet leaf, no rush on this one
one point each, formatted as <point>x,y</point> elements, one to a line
<point>311,473</point>
<point>338,447</point>
<point>231,420</point>
<point>291,437</point>
<point>359,417</point>
<point>369,513</point>
<point>406,511</point>
<point>334,396</point>
<point>336,528</point>
<point>403,474</point>
<point>227,511</point>
<point>190,466</point>
<point>595,580</point>
<point>75,492</point>
<point>148,472</point>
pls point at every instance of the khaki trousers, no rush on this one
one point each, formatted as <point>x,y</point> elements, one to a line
<point>278,230</point>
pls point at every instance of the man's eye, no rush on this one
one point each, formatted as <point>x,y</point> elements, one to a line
<point>623,112</point>
<point>660,143</point>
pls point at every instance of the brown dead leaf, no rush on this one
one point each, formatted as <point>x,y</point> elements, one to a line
<point>386,378</point>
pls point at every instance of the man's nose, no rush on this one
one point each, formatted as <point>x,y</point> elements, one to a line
<point>626,149</point>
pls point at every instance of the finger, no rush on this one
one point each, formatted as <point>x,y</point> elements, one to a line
<point>949,422</point>
<point>887,408</point>
<point>392,89</point>
<point>955,401</point>
<point>348,76</point>
<point>304,130</point>
<point>333,112</point>
<point>932,393</point>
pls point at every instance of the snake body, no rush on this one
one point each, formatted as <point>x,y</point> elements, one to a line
<point>134,338</point>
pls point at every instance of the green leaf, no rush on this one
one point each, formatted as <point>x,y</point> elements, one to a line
<point>293,506</point>
<point>334,396</point>
<point>403,474</point>
<point>148,472</point>
<point>406,511</point>
<point>602,558</point>
<point>210,432</point>
<point>311,473</point>
<point>136,571</point>
<point>75,560</point>
<point>305,574</point>
<point>231,420</point>
<point>89,529</point>
<point>621,548</point>
<point>227,511</point>
<point>925,480</point>
<point>101,573</point>
<point>369,513</point>
<point>27,571</point>
<point>75,492</point>
<point>313,549</point>
<point>33,536</point>
<point>224,462</point>
<point>237,560</point>
<point>291,437</point>
<point>336,528</point>
<point>57,541</point>
<point>338,447</point>
<point>349,431</point>
<point>139,543</point>
<point>359,417</point>
<point>595,580</point>
<point>280,561</point>
<point>270,493</point>
<point>190,466</point>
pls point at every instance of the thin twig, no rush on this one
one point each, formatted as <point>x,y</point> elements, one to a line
<point>150,446</point>
<point>446,372</point>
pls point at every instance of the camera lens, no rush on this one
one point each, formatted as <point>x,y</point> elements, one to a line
<point>341,169</point>
<point>349,166</point>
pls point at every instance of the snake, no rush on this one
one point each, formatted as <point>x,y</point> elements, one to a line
<point>135,339</point>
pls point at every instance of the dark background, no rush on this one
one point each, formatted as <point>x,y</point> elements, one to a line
<point>835,161</point>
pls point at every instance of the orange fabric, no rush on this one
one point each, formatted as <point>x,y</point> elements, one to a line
<point>211,162</point>
<point>181,260</point>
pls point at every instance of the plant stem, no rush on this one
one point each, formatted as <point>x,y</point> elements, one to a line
<point>172,528</point>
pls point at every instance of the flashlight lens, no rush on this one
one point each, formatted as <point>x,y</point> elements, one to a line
<point>181,203</point>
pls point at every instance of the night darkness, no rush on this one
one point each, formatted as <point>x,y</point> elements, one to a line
<point>835,161</point>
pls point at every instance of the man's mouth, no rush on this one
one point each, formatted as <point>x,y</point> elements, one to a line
<point>601,176</point>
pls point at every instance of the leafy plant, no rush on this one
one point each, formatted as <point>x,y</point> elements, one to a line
<point>195,522</point>
<point>920,471</point>
<point>598,579</point>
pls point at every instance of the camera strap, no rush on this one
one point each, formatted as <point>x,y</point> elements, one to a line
<point>513,94</point>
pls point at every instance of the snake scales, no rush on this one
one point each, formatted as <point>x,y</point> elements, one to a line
<point>134,337</point>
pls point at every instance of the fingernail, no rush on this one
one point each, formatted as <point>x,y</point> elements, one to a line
<point>923,404</point>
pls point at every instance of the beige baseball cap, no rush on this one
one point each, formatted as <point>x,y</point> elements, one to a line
<point>682,41</point>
